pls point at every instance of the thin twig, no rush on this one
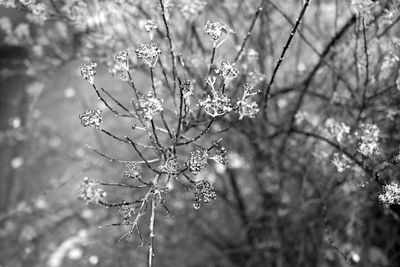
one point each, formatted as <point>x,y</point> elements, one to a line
<point>285,48</point>
<point>253,22</point>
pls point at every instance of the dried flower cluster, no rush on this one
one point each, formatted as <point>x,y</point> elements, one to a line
<point>342,162</point>
<point>89,191</point>
<point>170,167</point>
<point>245,106</point>
<point>88,71</point>
<point>227,71</point>
<point>149,53</point>
<point>369,140</point>
<point>132,170</point>
<point>150,106</point>
<point>197,161</point>
<point>91,118</point>
<point>220,156</point>
<point>391,194</point>
<point>216,30</point>
<point>121,57</point>
<point>336,130</point>
<point>205,193</point>
<point>126,211</point>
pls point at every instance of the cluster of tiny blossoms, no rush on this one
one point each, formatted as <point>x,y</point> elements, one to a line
<point>220,156</point>
<point>391,194</point>
<point>197,161</point>
<point>150,106</point>
<point>336,129</point>
<point>121,57</point>
<point>247,107</point>
<point>91,118</point>
<point>341,161</point>
<point>132,170</point>
<point>126,212</point>
<point>149,53</point>
<point>90,192</point>
<point>227,71</point>
<point>169,167</point>
<point>369,140</point>
<point>216,30</point>
<point>88,71</point>
<point>205,193</point>
<point>216,105</point>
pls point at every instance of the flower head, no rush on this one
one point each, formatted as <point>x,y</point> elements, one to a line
<point>205,193</point>
<point>220,155</point>
<point>217,105</point>
<point>369,140</point>
<point>126,212</point>
<point>150,106</point>
<point>227,71</point>
<point>197,161</point>
<point>247,108</point>
<point>336,129</point>
<point>390,194</point>
<point>170,167</point>
<point>149,53</point>
<point>91,118</point>
<point>88,71</point>
<point>342,162</point>
<point>121,57</point>
<point>90,192</point>
<point>149,25</point>
<point>132,170</point>
<point>216,30</point>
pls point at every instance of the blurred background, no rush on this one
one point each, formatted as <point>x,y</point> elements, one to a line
<point>277,205</point>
